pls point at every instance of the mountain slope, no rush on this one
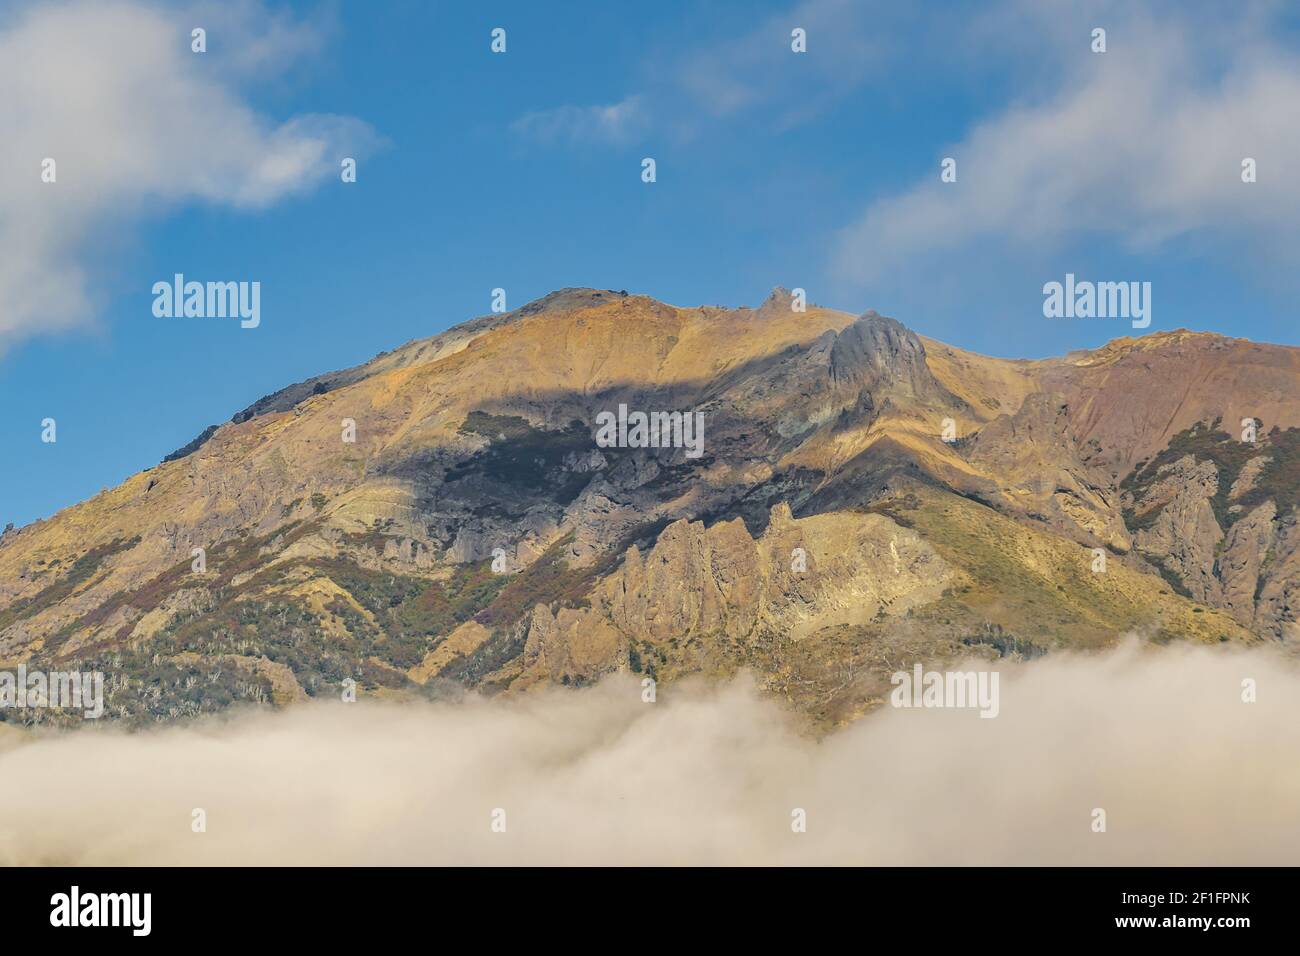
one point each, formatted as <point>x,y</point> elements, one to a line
<point>864,498</point>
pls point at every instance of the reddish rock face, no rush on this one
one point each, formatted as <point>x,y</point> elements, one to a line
<point>1131,397</point>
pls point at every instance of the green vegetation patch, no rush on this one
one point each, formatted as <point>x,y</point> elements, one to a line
<point>408,607</point>
<point>1279,480</point>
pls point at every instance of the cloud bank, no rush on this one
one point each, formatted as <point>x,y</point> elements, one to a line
<point>1159,738</point>
<point>137,124</point>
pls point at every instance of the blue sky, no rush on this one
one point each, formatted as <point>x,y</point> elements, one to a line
<point>522,171</point>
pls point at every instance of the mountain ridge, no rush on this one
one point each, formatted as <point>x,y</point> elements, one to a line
<point>378,558</point>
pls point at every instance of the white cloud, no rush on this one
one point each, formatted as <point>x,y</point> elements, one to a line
<point>1139,145</point>
<point>137,124</point>
<point>1158,737</point>
<point>616,124</point>
<point>741,67</point>
<point>847,42</point>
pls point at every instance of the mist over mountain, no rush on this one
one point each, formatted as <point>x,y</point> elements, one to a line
<point>1157,739</point>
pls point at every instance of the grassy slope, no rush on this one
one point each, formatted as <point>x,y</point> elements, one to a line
<point>1040,588</point>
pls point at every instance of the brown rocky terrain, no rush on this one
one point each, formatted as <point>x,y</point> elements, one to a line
<point>866,498</point>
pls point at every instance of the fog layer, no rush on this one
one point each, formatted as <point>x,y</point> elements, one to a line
<point>1158,738</point>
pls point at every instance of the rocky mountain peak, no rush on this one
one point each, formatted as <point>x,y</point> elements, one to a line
<point>474,533</point>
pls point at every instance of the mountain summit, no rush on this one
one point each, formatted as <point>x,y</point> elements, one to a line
<point>443,516</point>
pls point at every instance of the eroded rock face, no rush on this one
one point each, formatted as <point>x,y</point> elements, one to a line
<point>1245,552</point>
<point>570,646</point>
<point>800,576</point>
<point>1033,458</point>
<point>879,353</point>
<point>1277,605</point>
<point>1185,536</point>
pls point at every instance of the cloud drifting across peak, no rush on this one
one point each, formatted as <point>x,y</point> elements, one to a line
<point>1139,145</point>
<point>136,124</point>
<point>1159,738</point>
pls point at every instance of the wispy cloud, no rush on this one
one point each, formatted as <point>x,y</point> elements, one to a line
<point>726,74</point>
<point>1136,146</point>
<point>616,124</point>
<point>847,43</point>
<point>137,124</point>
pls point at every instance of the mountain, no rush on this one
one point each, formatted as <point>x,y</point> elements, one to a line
<point>863,498</point>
